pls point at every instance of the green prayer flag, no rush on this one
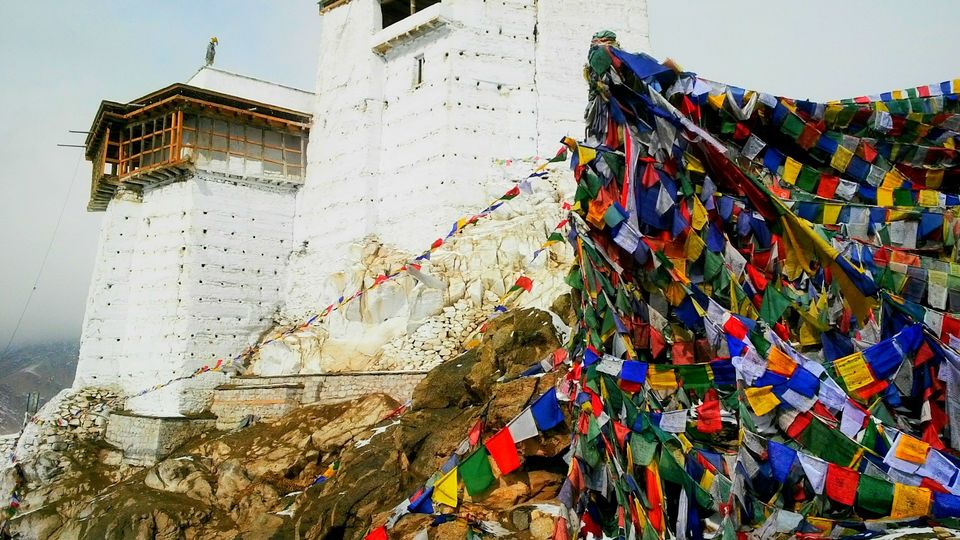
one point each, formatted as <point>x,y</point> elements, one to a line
<point>903,197</point>
<point>773,305</point>
<point>643,446</point>
<point>670,469</point>
<point>808,178</point>
<point>828,444</point>
<point>695,377</point>
<point>875,495</point>
<point>476,472</point>
<point>792,126</point>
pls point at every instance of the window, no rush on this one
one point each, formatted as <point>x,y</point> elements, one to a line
<point>147,143</point>
<point>242,149</point>
<point>394,11</point>
<point>418,71</point>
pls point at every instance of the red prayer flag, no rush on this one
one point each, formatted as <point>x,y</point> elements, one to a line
<point>475,432</point>
<point>799,424</point>
<point>708,415</point>
<point>650,177</point>
<point>828,186</point>
<point>741,132</point>
<point>504,451</point>
<point>841,484</point>
<point>524,283</point>
<point>436,243</point>
<point>380,533</point>
<point>682,352</point>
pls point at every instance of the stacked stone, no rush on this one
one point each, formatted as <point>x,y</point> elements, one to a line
<point>85,412</point>
<point>437,340</point>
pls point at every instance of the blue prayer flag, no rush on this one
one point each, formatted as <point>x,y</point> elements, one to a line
<point>781,460</point>
<point>546,410</point>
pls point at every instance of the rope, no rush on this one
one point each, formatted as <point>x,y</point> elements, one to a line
<point>46,255</point>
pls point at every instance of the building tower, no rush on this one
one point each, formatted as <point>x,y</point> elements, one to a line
<point>417,100</point>
<point>197,186</point>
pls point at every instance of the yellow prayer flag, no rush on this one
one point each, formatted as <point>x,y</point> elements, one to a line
<point>761,399</point>
<point>854,371</point>
<point>699,218</point>
<point>929,198</point>
<point>675,292</point>
<point>892,180</point>
<point>445,490</point>
<point>585,155</point>
<point>791,169</point>
<point>694,247</point>
<point>909,501</point>
<point>706,481</point>
<point>897,94</point>
<point>912,449</point>
<point>778,362</point>
<point>830,213</point>
<point>884,196</point>
<point>693,164</point>
<point>841,158</point>
<point>717,100</point>
<point>661,380</point>
<point>934,178</point>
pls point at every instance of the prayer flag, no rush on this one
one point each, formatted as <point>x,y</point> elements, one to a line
<point>816,471</point>
<point>841,485</point>
<point>445,489</point>
<point>380,533</point>
<point>546,410</point>
<point>476,472</point>
<point>910,501</point>
<point>504,451</point>
<point>875,495</point>
<point>781,460</point>
<point>762,399</point>
<point>523,427</point>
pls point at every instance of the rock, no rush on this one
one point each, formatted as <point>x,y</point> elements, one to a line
<point>180,476</point>
<point>541,525</point>
<point>451,530</point>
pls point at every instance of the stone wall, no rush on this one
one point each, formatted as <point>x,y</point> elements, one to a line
<point>232,403</point>
<point>144,439</point>
<point>268,398</point>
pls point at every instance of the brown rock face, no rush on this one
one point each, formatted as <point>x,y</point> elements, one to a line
<point>257,482</point>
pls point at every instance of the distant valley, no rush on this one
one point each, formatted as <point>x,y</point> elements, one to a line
<point>46,367</point>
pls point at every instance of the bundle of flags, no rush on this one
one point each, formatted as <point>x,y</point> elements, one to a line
<point>765,340</point>
<point>767,333</point>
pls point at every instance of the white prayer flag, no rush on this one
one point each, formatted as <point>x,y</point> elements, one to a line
<point>815,469</point>
<point>523,427</point>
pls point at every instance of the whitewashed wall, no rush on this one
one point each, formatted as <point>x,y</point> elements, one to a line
<point>189,275</point>
<point>400,163</point>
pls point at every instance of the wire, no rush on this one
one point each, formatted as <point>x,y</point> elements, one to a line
<point>46,255</point>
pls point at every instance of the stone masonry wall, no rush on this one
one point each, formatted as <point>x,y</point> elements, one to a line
<point>144,440</point>
<point>271,397</point>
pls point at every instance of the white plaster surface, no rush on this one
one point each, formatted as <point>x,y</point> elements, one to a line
<point>189,275</point>
<point>268,93</point>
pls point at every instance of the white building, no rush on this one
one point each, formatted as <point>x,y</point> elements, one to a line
<point>219,216</point>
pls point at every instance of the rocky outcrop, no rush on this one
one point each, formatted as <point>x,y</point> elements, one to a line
<point>259,482</point>
<point>418,320</point>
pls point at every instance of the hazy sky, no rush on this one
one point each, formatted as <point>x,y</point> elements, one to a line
<point>58,59</point>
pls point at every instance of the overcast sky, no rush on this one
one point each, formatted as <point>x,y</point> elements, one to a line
<point>59,59</point>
